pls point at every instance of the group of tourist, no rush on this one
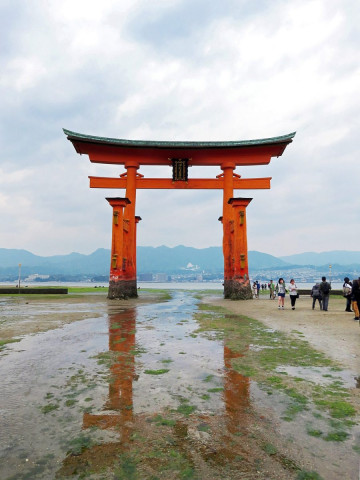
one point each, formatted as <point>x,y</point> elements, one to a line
<point>256,286</point>
<point>351,291</point>
<point>320,292</point>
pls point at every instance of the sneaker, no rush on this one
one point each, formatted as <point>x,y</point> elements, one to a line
<point>279,307</point>
<point>293,308</point>
<point>282,308</point>
<point>356,318</point>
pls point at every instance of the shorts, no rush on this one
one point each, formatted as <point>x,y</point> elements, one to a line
<point>281,294</point>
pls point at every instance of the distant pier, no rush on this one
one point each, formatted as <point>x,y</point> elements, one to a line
<point>33,291</point>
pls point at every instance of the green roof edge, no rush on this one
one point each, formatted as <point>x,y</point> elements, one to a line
<point>176,144</point>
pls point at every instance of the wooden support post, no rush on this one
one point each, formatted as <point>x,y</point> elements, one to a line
<point>129,253</point>
<point>239,287</point>
<point>117,282</point>
<point>228,227</point>
<point>137,220</point>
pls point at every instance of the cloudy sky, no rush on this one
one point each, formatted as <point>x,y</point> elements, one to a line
<point>180,70</point>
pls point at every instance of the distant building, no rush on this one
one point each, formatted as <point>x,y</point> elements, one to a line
<point>145,277</point>
<point>190,267</point>
<point>161,277</point>
<point>35,277</point>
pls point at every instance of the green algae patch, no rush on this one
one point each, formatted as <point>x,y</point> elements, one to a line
<point>79,444</point>
<point>305,475</point>
<point>5,342</point>
<point>159,420</point>
<point>270,449</point>
<point>49,408</point>
<point>216,390</point>
<point>161,294</point>
<point>161,371</point>
<point>87,289</point>
<point>337,436</point>
<point>186,409</point>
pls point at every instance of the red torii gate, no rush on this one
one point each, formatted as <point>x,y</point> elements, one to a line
<point>179,155</point>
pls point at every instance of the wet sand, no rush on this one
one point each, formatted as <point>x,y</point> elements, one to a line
<point>27,314</point>
<point>334,332</point>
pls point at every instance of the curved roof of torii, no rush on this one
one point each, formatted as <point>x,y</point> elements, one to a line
<point>151,152</point>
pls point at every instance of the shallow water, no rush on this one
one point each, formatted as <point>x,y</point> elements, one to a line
<point>37,373</point>
<point>78,395</point>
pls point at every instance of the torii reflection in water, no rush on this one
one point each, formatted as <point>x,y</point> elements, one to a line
<point>118,411</point>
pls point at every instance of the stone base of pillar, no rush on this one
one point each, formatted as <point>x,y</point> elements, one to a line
<point>237,289</point>
<point>122,289</point>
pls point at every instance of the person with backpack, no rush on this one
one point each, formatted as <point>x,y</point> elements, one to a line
<point>325,288</point>
<point>272,290</point>
<point>258,288</point>
<point>355,298</point>
<point>316,295</point>
<point>347,289</point>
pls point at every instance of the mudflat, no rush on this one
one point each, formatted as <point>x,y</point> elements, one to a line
<point>27,314</point>
<point>334,332</point>
<point>194,387</point>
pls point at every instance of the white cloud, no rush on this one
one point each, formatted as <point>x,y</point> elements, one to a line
<point>141,70</point>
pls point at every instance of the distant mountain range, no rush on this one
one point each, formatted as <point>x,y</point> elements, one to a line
<point>340,257</point>
<point>163,259</point>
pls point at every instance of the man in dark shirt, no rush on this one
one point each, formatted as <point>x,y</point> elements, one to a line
<point>325,288</point>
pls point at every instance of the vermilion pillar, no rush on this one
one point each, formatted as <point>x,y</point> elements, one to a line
<point>137,220</point>
<point>238,287</point>
<point>129,257</point>
<point>228,225</point>
<point>118,282</point>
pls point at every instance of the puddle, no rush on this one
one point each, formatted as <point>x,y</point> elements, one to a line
<point>139,389</point>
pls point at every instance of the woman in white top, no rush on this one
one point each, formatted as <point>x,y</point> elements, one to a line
<point>293,293</point>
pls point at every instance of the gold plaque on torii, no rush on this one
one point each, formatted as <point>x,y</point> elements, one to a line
<point>180,169</point>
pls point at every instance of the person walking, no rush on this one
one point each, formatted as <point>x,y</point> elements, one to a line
<point>258,288</point>
<point>325,288</point>
<point>316,295</point>
<point>347,288</point>
<point>281,290</point>
<point>272,290</point>
<point>293,293</point>
<point>254,289</point>
<point>355,298</point>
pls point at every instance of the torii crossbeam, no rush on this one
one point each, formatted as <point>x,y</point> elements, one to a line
<point>179,156</point>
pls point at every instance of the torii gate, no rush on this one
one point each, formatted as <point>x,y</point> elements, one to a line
<point>179,155</point>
